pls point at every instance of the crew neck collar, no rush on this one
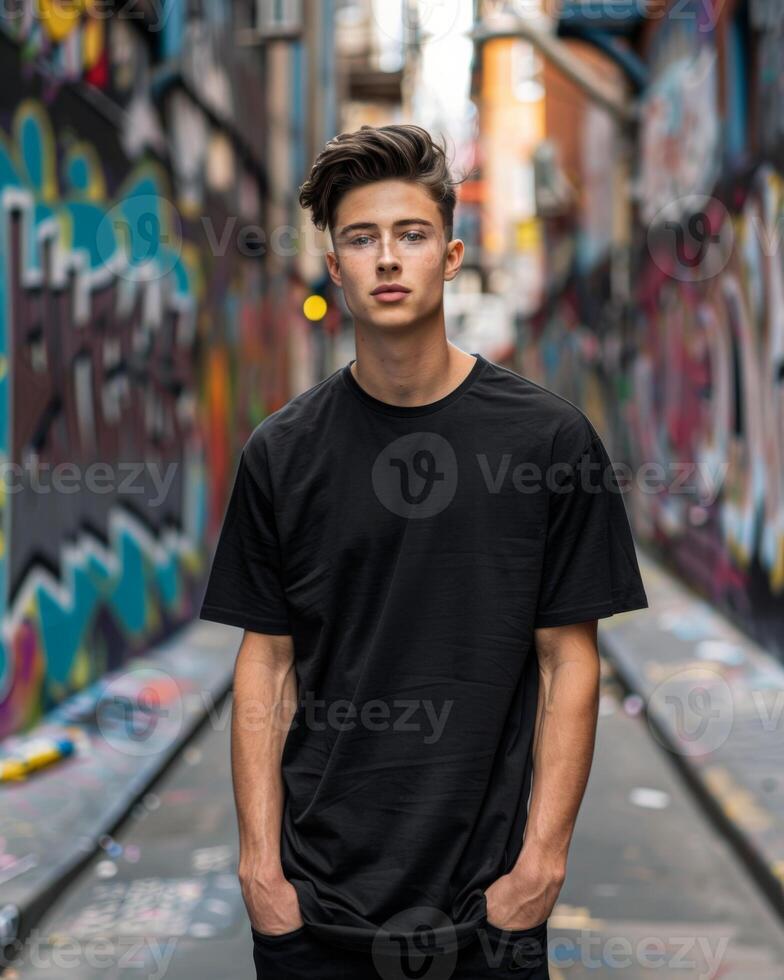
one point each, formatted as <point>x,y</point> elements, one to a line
<point>410,411</point>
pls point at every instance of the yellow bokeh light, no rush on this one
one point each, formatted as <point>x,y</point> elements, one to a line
<point>315,307</point>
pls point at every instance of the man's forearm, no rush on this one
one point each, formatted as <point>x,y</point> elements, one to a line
<point>264,702</point>
<point>564,741</point>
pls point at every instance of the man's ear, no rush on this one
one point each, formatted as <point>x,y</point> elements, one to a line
<point>333,266</point>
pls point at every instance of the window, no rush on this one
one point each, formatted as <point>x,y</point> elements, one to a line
<point>278,18</point>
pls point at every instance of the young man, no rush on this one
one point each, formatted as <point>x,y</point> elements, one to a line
<point>418,549</point>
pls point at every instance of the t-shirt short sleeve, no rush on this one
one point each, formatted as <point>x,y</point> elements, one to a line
<point>590,566</point>
<point>245,586</point>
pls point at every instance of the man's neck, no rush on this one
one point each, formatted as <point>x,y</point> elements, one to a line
<point>413,377</point>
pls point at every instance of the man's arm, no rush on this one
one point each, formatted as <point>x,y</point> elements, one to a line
<point>264,703</point>
<point>564,738</point>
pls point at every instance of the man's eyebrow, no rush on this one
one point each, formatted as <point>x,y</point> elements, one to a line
<point>371,226</point>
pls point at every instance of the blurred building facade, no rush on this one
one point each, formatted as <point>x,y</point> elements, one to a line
<point>508,88</point>
<point>150,306</point>
<point>661,277</point>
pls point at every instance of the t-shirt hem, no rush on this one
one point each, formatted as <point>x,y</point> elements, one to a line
<point>366,941</point>
<point>598,610</point>
<point>232,617</point>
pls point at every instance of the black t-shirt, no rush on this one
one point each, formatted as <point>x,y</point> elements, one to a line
<point>410,551</point>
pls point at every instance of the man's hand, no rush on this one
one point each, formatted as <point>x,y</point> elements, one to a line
<point>265,687</point>
<point>525,897</point>
<point>566,714</point>
<point>272,904</point>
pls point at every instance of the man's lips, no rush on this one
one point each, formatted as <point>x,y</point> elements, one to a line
<point>390,294</point>
<point>391,288</point>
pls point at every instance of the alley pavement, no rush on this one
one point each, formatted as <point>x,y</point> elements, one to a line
<point>653,880</point>
<point>673,864</point>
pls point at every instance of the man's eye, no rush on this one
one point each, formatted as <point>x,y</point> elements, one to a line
<point>360,240</point>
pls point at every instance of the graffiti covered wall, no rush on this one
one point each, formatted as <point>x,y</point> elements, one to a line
<point>686,382</point>
<point>136,345</point>
<point>96,369</point>
<point>692,379</point>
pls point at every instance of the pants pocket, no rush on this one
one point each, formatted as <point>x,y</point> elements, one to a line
<point>523,949</point>
<point>270,939</point>
<point>516,933</point>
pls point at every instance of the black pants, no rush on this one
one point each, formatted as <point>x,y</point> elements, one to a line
<point>520,954</point>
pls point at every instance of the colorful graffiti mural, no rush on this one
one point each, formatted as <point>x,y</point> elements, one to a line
<point>139,345</point>
<point>680,131</point>
<point>691,379</point>
<point>707,385</point>
<point>685,376</point>
<point>97,333</point>
<point>68,39</point>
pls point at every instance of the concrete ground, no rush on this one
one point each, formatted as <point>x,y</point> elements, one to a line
<point>652,884</point>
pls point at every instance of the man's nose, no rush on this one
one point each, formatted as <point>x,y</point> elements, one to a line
<point>387,258</point>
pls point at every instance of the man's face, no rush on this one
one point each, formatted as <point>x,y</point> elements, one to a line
<point>389,232</point>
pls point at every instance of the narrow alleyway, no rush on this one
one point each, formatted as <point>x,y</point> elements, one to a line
<point>650,884</point>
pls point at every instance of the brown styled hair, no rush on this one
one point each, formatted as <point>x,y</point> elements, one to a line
<point>371,153</point>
